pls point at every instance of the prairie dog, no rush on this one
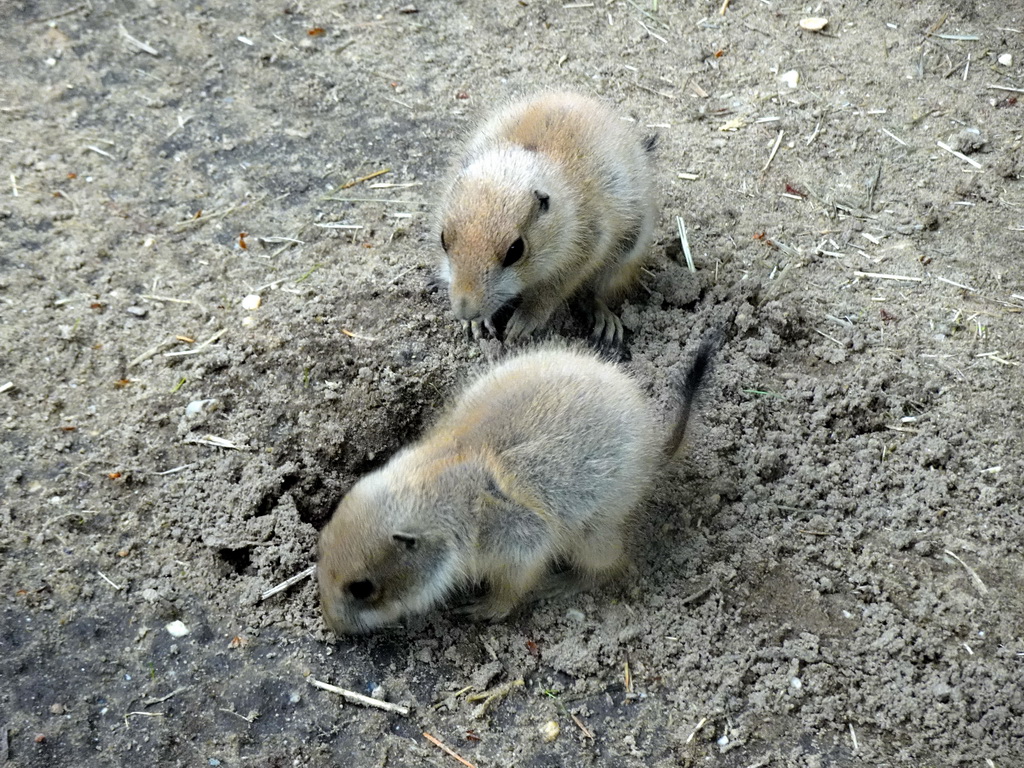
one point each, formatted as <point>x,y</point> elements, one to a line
<point>542,460</point>
<point>551,199</point>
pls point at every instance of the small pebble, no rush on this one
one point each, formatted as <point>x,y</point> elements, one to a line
<point>796,683</point>
<point>251,302</point>
<point>791,78</point>
<point>137,311</point>
<point>550,730</point>
<point>814,23</point>
<point>177,629</point>
<point>196,407</point>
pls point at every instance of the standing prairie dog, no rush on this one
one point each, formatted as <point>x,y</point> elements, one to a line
<point>552,199</point>
<point>541,461</point>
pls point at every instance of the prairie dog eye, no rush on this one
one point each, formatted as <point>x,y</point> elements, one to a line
<point>361,590</point>
<point>514,252</point>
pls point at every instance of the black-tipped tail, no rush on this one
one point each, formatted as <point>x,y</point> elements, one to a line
<point>690,387</point>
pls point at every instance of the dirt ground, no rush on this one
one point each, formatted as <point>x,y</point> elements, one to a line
<point>832,577</point>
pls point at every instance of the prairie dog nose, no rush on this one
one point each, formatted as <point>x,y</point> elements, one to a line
<point>466,307</point>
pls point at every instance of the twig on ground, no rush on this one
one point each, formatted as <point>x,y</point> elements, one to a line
<point>200,348</point>
<point>66,196</point>
<point>165,298</point>
<point>696,595</point>
<point>586,731</point>
<point>982,588</point>
<point>361,179</point>
<point>61,15</point>
<point>358,698</point>
<point>696,730</point>
<point>995,356</point>
<point>289,582</point>
<point>830,338</point>
<point>872,191</point>
<point>881,276</point>
<point>146,47</point>
<point>817,129</point>
<point>685,242</point>
<point>333,199</point>
<point>1005,88</point>
<point>955,153</point>
<point>175,692</point>
<point>894,137</point>
<point>650,32</point>
<point>152,352</point>
<point>214,441</point>
<point>955,284</point>
<point>489,697</point>
<point>252,715</point>
<point>352,335</point>
<point>104,577</point>
<point>775,148</point>
<point>445,748</point>
<point>202,218</point>
<point>175,470</point>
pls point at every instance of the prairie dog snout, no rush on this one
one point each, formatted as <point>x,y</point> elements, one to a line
<point>542,460</point>
<point>552,199</point>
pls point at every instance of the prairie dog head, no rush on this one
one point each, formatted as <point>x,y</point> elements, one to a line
<point>378,561</point>
<point>504,223</point>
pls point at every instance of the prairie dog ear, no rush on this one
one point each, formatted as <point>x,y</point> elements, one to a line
<point>407,540</point>
<point>543,199</point>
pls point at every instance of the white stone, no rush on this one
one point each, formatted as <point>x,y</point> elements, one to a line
<point>251,302</point>
<point>177,629</point>
<point>814,23</point>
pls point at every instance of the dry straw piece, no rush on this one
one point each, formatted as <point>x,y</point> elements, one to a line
<point>358,698</point>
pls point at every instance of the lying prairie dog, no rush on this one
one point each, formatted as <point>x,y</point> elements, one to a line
<point>542,461</point>
<point>551,200</point>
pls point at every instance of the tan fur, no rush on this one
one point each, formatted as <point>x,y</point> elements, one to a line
<point>568,176</point>
<point>541,460</point>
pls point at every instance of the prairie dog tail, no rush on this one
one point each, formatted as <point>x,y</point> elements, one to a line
<point>691,385</point>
